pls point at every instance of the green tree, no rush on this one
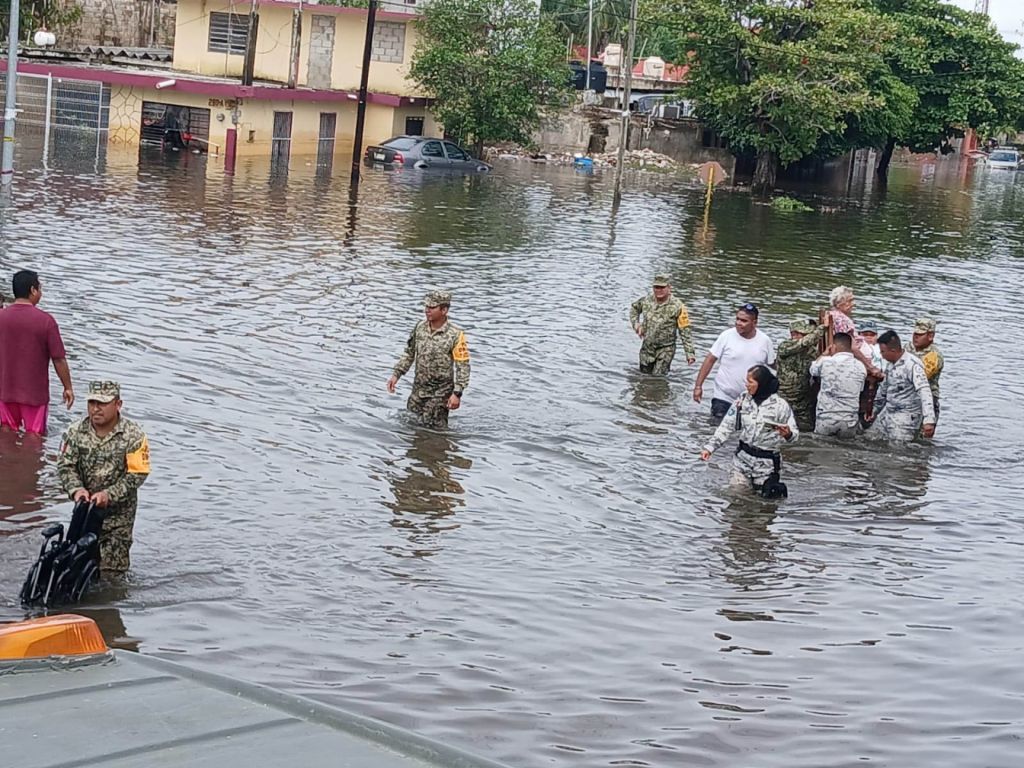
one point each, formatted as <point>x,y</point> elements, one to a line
<point>36,14</point>
<point>492,66</point>
<point>964,75</point>
<point>782,79</point>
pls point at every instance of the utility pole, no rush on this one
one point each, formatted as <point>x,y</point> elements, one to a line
<point>293,65</point>
<point>590,39</point>
<point>627,62</point>
<point>11,102</point>
<point>364,81</point>
<point>249,64</point>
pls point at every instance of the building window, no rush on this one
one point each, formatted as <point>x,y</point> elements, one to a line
<point>389,42</point>
<point>229,33</point>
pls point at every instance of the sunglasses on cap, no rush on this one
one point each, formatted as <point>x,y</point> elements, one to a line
<point>749,308</point>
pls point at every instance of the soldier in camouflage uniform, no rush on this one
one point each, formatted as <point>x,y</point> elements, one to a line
<point>793,363</point>
<point>104,458</point>
<point>436,346</point>
<point>903,405</point>
<point>664,318</point>
<point>923,348</point>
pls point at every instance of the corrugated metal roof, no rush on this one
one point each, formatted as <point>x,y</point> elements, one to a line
<point>136,711</point>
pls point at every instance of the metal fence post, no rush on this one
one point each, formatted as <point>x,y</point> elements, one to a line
<point>10,105</point>
<point>46,121</point>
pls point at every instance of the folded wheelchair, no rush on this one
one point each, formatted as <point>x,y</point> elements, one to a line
<point>68,563</point>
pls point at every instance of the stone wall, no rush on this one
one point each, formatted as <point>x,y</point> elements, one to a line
<point>128,23</point>
<point>598,130</point>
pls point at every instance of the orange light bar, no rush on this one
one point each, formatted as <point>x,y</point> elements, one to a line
<point>63,635</point>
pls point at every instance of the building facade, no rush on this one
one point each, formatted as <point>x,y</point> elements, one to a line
<point>306,62</point>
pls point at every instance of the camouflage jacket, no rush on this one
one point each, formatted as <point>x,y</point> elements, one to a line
<point>793,363</point>
<point>905,389</point>
<point>117,463</point>
<point>435,353</point>
<point>663,322</point>
<point>933,361</point>
<point>756,424</point>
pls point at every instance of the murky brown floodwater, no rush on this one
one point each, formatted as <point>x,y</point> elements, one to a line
<point>557,580</point>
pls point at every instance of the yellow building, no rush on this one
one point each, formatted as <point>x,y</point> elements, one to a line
<point>305,72</point>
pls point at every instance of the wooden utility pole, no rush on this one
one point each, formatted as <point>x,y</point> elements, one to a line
<point>627,88</point>
<point>364,82</point>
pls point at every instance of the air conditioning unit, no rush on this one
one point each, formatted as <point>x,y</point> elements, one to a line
<point>670,111</point>
<point>613,56</point>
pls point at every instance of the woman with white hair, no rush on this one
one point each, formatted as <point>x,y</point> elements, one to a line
<point>842,302</point>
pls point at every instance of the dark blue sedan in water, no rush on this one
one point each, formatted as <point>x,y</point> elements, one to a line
<point>423,152</point>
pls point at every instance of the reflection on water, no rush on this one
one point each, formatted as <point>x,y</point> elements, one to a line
<point>557,579</point>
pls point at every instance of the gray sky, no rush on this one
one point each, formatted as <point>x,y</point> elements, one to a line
<point>1007,14</point>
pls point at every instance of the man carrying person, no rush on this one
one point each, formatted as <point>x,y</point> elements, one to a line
<point>903,404</point>
<point>664,317</point>
<point>922,346</point>
<point>737,350</point>
<point>794,361</point>
<point>436,346</point>
<point>104,459</point>
<point>29,341</point>
<point>842,379</point>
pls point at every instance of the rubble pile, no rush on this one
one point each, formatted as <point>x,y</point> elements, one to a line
<point>634,159</point>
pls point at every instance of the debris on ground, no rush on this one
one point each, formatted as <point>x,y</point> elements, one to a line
<point>633,159</point>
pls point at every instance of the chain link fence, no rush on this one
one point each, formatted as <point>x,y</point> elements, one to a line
<point>60,120</point>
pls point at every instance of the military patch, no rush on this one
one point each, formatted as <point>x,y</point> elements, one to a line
<point>683,321</point>
<point>460,353</point>
<point>138,460</point>
<point>931,364</point>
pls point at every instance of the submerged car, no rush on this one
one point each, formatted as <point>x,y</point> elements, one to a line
<point>1004,158</point>
<point>423,152</point>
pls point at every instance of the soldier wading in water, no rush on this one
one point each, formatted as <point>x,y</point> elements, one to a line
<point>664,318</point>
<point>436,346</point>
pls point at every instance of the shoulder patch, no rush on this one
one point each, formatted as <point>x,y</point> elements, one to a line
<point>683,321</point>
<point>931,364</point>
<point>138,460</point>
<point>460,352</point>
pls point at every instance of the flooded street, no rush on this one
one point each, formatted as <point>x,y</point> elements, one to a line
<point>557,580</point>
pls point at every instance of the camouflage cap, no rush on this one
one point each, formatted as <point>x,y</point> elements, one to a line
<point>802,326</point>
<point>868,326</point>
<point>662,281</point>
<point>924,325</point>
<point>104,391</point>
<point>437,299</point>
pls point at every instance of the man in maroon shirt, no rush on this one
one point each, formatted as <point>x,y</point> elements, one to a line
<point>29,340</point>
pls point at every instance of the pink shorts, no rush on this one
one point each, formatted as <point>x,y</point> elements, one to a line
<point>13,415</point>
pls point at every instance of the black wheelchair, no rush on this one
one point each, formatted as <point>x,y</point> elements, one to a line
<point>68,563</point>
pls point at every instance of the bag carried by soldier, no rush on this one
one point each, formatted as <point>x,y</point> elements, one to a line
<point>68,563</point>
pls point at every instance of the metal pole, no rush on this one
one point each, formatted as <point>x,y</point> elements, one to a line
<point>627,62</point>
<point>364,81</point>
<point>10,103</point>
<point>590,38</point>
<point>46,120</point>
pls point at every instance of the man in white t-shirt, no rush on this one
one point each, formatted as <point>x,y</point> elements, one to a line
<point>736,351</point>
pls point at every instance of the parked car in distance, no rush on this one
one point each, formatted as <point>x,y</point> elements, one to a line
<point>423,152</point>
<point>1004,157</point>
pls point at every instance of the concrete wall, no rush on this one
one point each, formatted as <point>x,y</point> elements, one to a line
<point>596,131</point>
<point>397,40</point>
<point>129,23</point>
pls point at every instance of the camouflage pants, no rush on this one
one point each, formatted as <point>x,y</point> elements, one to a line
<point>803,405</point>
<point>750,470</point>
<point>116,541</point>
<point>431,406</point>
<point>896,426</point>
<point>834,426</point>
<point>658,360</point>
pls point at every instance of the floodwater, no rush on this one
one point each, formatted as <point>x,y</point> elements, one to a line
<point>557,580</point>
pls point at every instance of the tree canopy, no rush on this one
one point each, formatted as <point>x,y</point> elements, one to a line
<point>492,66</point>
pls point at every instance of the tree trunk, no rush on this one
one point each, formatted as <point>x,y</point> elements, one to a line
<point>765,172</point>
<point>883,162</point>
<point>478,149</point>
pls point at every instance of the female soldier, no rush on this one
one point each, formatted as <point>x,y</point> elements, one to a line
<point>765,421</point>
